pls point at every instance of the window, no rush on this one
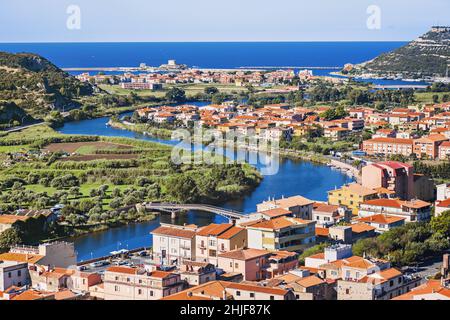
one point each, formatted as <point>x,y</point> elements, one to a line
<point>19,273</point>
<point>231,264</point>
<point>252,295</point>
<point>238,293</point>
<point>9,274</point>
<point>347,291</point>
<point>391,283</point>
<point>116,288</point>
<point>236,265</point>
<point>272,298</point>
<point>151,293</point>
<point>139,291</point>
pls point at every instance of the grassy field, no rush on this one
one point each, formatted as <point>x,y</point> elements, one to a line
<point>140,170</point>
<point>427,97</point>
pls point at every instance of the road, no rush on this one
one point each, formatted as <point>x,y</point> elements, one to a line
<point>19,128</point>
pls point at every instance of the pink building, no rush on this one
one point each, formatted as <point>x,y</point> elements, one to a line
<point>392,175</point>
<point>256,265</point>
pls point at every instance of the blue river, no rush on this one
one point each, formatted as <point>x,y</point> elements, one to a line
<point>294,177</point>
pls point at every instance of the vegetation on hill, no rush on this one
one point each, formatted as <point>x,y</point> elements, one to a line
<point>429,55</point>
<point>410,243</point>
<point>38,86</point>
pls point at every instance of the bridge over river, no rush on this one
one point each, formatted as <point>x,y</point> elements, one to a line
<point>173,208</point>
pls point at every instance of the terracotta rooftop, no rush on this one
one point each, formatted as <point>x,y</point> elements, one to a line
<point>11,219</point>
<point>381,219</point>
<point>214,229</point>
<point>244,254</point>
<point>230,233</point>
<point>277,212</point>
<point>175,232</point>
<point>21,257</point>
<point>361,227</point>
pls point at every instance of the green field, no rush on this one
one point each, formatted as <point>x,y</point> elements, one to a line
<point>427,97</point>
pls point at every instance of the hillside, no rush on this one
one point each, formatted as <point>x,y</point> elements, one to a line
<point>427,56</point>
<point>33,84</point>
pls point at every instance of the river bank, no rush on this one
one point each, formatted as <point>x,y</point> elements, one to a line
<point>163,133</point>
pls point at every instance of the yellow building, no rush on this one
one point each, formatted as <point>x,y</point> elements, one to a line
<point>351,196</point>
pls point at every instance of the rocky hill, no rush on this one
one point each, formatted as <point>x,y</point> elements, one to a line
<point>427,56</point>
<point>33,84</point>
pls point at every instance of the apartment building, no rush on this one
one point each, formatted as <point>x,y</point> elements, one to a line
<point>444,150</point>
<point>336,133</point>
<point>327,214</point>
<point>224,290</point>
<point>50,279</point>
<point>381,285</point>
<point>13,273</point>
<point>215,239</point>
<point>256,265</point>
<point>388,146</point>
<point>283,233</point>
<point>56,254</point>
<point>382,222</point>
<point>174,244</point>
<point>299,206</point>
<point>125,283</point>
<point>395,176</point>
<point>428,147</point>
<point>351,196</point>
<point>431,290</point>
<point>195,273</point>
<point>412,211</point>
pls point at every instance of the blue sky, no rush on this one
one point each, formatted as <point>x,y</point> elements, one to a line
<point>218,20</point>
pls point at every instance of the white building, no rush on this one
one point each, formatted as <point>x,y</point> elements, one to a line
<point>174,244</point>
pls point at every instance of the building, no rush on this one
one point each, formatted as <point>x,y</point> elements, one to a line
<point>174,244</point>
<point>392,175</point>
<point>441,206</point>
<point>224,290</point>
<point>412,211</point>
<point>50,279</point>
<point>196,273</point>
<point>388,146</point>
<point>56,254</point>
<point>336,133</point>
<point>442,192</point>
<point>383,222</point>
<point>8,221</point>
<point>330,254</point>
<point>251,263</point>
<point>351,196</point>
<point>444,150</point>
<point>125,283</point>
<point>327,214</point>
<point>381,285</point>
<point>431,290</point>
<point>257,265</point>
<point>298,205</point>
<point>428,147</point>
<point>283,233</point>
<point>424,187</point>
<point>215,239</point>
<point>13,273</point>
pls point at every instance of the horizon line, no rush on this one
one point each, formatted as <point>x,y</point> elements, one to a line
<point>206,41</point>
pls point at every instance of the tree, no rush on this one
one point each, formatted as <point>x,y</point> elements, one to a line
<point>8,238</point>
<point>182,188</point>
<point>211,90</point>
<point>176,95</point>
<point>441,224</point>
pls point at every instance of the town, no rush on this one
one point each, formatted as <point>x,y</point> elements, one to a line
<point>265,255</point>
